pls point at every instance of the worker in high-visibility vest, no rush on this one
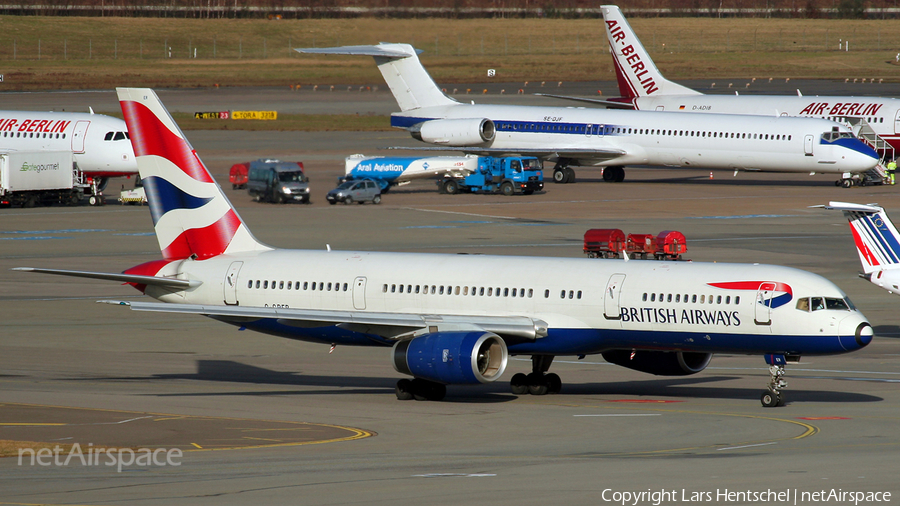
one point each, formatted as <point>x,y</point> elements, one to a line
<point>891,169</point>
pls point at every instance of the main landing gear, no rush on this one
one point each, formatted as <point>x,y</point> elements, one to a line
<point>538,382</point>
<point>773,396</point>
<point>614,174</point>
<point>562,173</point>
<point>97,187</point>
<point>420,390</point>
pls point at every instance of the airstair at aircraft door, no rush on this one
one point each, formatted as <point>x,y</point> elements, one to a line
<point>865,133</point>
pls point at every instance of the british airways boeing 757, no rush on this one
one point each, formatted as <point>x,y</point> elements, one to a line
<point>609,138</point>
<point>456,319</point>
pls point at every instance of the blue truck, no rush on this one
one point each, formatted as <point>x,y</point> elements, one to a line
<point>455,174</point>
<point>509,175</point>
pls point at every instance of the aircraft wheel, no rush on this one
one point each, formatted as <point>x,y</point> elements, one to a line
<point>424,390</point>
<point>94,200</point>
<point>376,199</point>
<point>770,399</point>
<point>570,175</point>
<point>537,384</point>
<point>846,183</point>
<point>554,383</point>
<point>837,183</point>
<point>404,390</point>
<point>560,176</point>
<point>620,174</point>
<point>519,384</point>
<point>608,175</point>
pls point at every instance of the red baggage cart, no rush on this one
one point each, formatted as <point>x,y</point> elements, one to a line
<point>238,175</point>
<point>670,245</point>
<point>603,242</point>
<point>640,245</point>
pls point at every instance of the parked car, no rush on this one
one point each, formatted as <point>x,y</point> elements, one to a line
<point>361,191</point>
<point>278,182</point>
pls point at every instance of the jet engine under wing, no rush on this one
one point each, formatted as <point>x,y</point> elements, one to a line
<point>180,284</point>
<point>388,325</point>
<point>609,104</point>
<point>600,155</point>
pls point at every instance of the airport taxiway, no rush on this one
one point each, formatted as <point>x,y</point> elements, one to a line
<point>64,359</point>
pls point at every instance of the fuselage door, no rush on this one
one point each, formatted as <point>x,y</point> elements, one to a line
<point>78,134</point>
<point>231,281</point>
<point>359,293</point>
<point>808,145</point>
<point>763,307</point>
<point>588,130</point>
<point>897,122</point>
<point>611,297</point>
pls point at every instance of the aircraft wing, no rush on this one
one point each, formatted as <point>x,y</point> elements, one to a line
<point>610,104</point>
<point>581,154</point>
<point>387,325</point>
<point>180,284</point>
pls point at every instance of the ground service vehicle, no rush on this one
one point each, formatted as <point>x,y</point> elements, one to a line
<point>507,175</point>
<point>238,175</point>
<point>362,191</point>
<point>135,196</point>
<point>278,182</point>
<point>29,178</point>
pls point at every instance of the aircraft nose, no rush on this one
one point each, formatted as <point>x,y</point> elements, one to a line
<point>855,333</point>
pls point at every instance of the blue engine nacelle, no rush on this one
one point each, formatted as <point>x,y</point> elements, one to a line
<point>660,363</point>
<point>459,358</point>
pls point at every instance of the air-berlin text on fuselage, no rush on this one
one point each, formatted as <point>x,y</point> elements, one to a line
<point>685,317</point>
<point>841,109</point>
<point>33,125</point>
<point>633,58</point>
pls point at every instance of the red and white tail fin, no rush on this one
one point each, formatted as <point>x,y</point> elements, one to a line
<point>635,71</point>
<point>877,240</point>
<point>192,216</point>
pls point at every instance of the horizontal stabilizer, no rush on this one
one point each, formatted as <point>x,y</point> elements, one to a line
<point>609,104</point>
<point>847,206</point>
<point>385,324</point>
<point>392,51</point>
<point>180,284</point>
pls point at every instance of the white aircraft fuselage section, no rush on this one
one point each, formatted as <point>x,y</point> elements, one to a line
<point>740,142</point>
<point>882,114</point>
<point>589,305</point>
<point>100,143</point>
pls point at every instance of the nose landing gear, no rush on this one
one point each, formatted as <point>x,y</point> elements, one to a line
<point>773,396</point>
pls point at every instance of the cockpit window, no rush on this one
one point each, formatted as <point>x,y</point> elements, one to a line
<point>119,136</point>
<point>833,136</point>
<point>108,136</point>
<point>829,303</point>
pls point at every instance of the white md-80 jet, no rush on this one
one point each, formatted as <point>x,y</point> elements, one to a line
<point>100,143</point>
<point>643,87</point>
<point>456,319</point>
<point>610,138</point>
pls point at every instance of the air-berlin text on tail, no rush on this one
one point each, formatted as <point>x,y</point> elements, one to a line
<point>685,317</point>
<point>632,58</point>
<point>33,125</point>
<point>841,109</point>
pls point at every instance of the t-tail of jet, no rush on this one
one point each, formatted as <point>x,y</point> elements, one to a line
<point>877,242</point>
<point>192,216</point>
<point>635,71</point>
<point>404,74</point>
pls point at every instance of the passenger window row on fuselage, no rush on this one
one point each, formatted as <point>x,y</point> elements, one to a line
<point>472,291</point>
<point>320,286</point>
<point>694,299</point>
<point>597,130</point>
<point>31,135</point>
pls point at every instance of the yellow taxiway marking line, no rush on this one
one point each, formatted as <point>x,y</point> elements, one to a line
<point>196,445</point>
<point>263,439</point>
